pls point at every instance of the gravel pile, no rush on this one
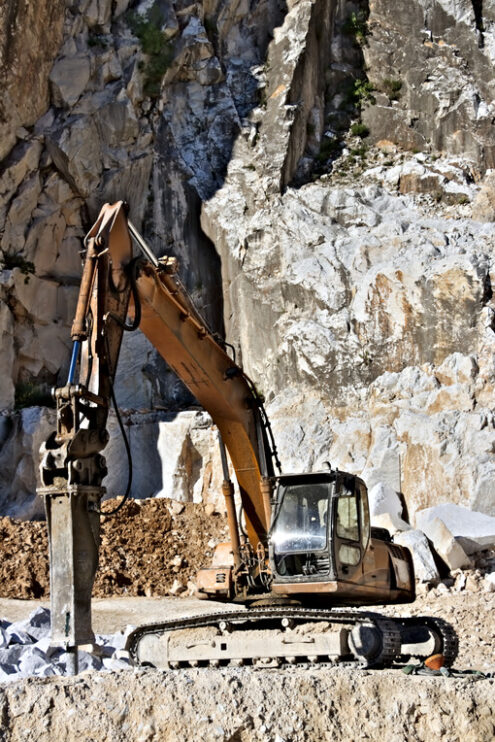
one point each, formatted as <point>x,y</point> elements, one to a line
<point>25,650</point>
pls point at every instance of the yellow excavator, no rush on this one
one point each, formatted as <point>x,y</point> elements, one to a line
<point>301,551</point>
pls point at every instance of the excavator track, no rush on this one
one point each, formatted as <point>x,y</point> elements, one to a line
<point>427,635</point>
<point>270,637</point>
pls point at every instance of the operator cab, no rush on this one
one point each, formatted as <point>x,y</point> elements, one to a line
<point>320,528</point>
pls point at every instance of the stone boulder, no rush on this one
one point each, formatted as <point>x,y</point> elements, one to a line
<point>386,508</point>
<point>472,531</point>
<point>446,545</point>
<point>425,568</point>
<point>391,523</point>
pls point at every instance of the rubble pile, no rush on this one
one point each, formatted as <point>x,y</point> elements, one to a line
<point>152,547</point>
<point>25,650</point>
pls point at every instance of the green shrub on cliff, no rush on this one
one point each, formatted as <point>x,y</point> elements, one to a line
<point>157,48</point>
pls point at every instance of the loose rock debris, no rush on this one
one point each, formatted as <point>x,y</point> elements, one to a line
<point>152,547</point>
<point>26,651</point>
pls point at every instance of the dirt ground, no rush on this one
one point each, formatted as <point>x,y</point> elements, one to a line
<point>145,549</point>
<point>307,704</point>
<point>470,612</point>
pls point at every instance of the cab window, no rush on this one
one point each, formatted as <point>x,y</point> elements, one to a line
<point>347,518</point>
<point>301,521</point>
<point>349,554</point>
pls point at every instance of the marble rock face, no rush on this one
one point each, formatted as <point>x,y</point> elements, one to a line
<point>358,296</point>
<point>177,455</point>
<point>446,545</point>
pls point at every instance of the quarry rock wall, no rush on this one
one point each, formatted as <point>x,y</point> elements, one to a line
<point>322,169</point>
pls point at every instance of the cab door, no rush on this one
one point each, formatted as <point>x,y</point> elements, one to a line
<point>350,534</point>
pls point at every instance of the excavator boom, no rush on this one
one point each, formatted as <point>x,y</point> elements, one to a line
<point>217,383</point>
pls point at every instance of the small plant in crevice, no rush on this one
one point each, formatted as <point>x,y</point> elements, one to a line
<point>362,92</point>
<point>356,25</point>
<point>97,40</point>
<point>361,151</point>
<point>357,93</point>
<point>358,129</point>
<point>9,261</point>
<point>365,357</point>
<point>391,88</point>
<point>31,394</point>
<point>158,49</point>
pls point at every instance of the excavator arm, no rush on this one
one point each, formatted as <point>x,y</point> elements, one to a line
<point>114,284</point>
<point>72,467</point>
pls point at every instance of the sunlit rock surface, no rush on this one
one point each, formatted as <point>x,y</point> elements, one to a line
<point>356,286</point>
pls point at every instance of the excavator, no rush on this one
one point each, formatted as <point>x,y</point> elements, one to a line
<point>302,560</point>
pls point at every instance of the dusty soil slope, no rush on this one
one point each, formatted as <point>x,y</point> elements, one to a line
<point>144,549</point>
<point>245,705</point>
